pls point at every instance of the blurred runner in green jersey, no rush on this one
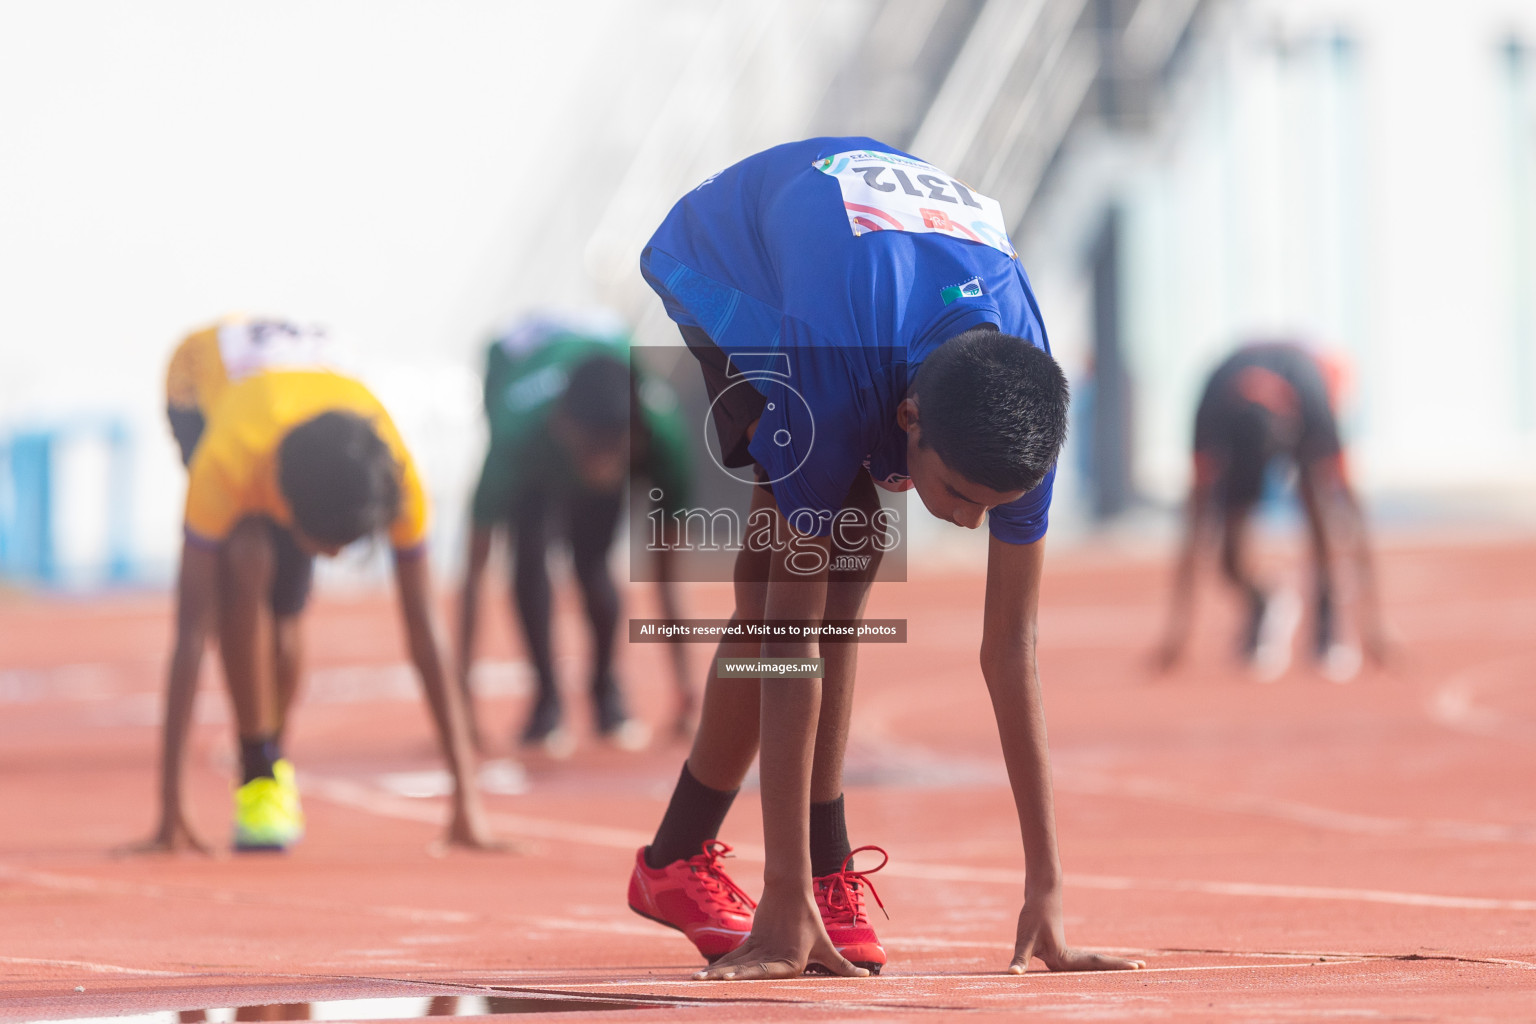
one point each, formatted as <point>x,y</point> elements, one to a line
<point>570,424</point>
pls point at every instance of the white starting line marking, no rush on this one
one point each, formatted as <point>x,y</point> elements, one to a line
<point>641,986</point>
<point>95,968</point>
<point>365,798</point>
<point>359,796</point>
<point>1073,780</point>
<point>1328,819</point>
<point>94,683</point>
<point>1302,892</point>
<point>112,887</point>
<point>625,927</point>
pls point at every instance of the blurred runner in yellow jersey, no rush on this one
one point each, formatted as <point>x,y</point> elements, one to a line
<point>287,458</point>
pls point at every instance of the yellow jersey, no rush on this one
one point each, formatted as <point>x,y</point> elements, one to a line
<point>208,360</point>
<point>254,381</point>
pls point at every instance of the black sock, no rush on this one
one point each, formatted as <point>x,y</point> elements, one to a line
<point>1323,638</point>
<point>693,816</point>
<point>257,755</point>
<point>1257,602</point>
<point>829,837</point>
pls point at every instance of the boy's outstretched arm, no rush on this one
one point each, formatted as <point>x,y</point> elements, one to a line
<point>413,578</point>
<point>1197,523</point>
<point>1330,479</point>
<point>672,610</point>
<point>1008,641</point>
<point>477,557</point>
<point>197,595</point>
<point>787,931</point>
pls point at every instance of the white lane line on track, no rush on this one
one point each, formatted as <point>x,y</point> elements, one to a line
<point>909,942</point>
<point>1316,954</point>
<point>1007,876</point>
<point>1089,783</point>
<point>90,682</point>
<point>365,798</point>
<point>111,887</point>
<point>892,983</point>
<point>598,926</point>
<point>88,965</point>
<point>1325,818</point>
<point>362,797</point>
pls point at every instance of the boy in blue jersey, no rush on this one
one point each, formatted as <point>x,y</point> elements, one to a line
<point>903,349</point>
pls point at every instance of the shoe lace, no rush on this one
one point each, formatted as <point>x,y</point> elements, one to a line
<point>842,886</point>
<point>712,877</point>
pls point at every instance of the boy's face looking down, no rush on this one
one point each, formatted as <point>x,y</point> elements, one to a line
<point>312,547</point>
<point>593,422</point>
<point>945,493</point>
<point>340,480</point>
<point>601,457</point>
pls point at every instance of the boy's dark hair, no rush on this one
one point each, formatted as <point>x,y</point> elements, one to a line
<point>994,408</point>
<point>598,399</point>
<point>340,478</point>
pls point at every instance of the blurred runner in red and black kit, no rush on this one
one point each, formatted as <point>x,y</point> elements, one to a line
<point>1272,401</point>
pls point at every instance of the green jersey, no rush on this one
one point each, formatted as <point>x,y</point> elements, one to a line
<point>527,370</point>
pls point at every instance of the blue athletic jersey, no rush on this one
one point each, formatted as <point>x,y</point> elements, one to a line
<point>778,254</point>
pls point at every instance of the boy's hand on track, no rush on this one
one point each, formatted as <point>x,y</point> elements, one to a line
<point>787,934</point>
<point>471,715</point>
<point>1041,934</point>
<point>1166,657</point>
<point>1384,646</point>
<point>469,831</point>
<point>174,834</point>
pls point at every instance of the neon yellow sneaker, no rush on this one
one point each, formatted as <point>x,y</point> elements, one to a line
<point>267,811</point>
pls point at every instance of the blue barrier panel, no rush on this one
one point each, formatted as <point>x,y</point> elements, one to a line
<point>119,503</point>
<point>29,547</point>
<point>28,537</point>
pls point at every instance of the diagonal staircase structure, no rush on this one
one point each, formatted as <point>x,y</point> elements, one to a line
<point>988,89</point>
<point>1033,71</point>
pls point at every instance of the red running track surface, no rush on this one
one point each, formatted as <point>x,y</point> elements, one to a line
<point>1300,850</point>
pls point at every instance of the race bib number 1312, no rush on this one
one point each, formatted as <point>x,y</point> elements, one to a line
<point>887,192</point>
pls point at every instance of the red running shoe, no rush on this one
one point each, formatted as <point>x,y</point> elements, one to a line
<point>840,898</point>
<point>696,897</point>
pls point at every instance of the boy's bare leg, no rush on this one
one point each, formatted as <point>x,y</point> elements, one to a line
<point>1234,552</point>
<point>1236,568</point>
<point>245,628</point>
<point>847,593</point>
<point>726,742</point>
<point>1199,513</point>
<point>287,661</point>
<point>727,739</point>
<point>1270,618</point>
<point>1319,530</point>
